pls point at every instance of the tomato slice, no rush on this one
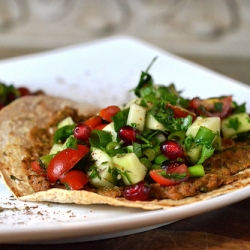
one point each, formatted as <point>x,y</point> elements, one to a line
<point>62,162</point>
<point>181,112</point>
<point>74,179</point>
<point>108,112</point>
<point>158,175</point>
<point>94,121</point>
<point>208,108</point>
<point>100,127</point>
<point>24,91</point>
<point>38,169</point>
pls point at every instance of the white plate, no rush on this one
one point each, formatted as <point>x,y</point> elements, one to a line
<point>102,72</point>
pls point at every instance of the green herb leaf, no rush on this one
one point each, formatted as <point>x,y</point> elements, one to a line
<point>146,80</point>
<point>100,138</point>
<point>218,106</point>
<point>206,152</point>
<point>239,108</point>
<point>71,142</point>
<point>175,176</point>
<point>165,115</point>
<point>120,119</point>
<point>63,133</point>
<point>234,123</point>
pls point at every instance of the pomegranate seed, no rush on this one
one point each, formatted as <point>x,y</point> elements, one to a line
<point>82,131</point>
<point>128,134</point>
<point>137,192</point>
<point>172,150</point>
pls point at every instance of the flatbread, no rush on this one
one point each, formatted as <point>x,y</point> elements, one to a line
<point>16,121</point>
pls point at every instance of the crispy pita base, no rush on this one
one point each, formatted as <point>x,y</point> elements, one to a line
<point>87,198</point>
<point>16,121</point>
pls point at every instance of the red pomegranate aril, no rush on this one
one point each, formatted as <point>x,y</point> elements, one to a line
<point>172,150</point>
<point>82,131</point>
<point>137,192</point>
<point>129,134</point>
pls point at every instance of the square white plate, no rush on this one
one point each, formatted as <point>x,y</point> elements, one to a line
<point>102,73</point>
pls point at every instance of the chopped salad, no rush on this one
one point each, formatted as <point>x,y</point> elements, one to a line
<point>157,137</point>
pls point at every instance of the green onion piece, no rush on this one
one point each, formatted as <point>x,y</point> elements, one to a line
<point>157,150</point>
<point>150,153</point>
<point>129,149</point>
<point>145,161</point>
<point>113,145</point>
<point>196,171</point>
<point>205,136</point>
<point>155,166</point>
<point>178,136</point>
<point>160,159</point>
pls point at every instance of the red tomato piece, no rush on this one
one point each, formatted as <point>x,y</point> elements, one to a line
<point>207,107</point>
<point>100,127</point>
<point>24,91</point>
<point>38,169</point>
<point>108,112</point>
<point>181,112</point>
<point>62,162</point>
<point>74,179</point>
<point>156,175</point>
<point>94,121</point>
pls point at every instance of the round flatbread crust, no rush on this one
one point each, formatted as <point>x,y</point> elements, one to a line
<point>16,121</point>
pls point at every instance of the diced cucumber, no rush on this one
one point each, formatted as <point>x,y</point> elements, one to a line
<point>193,155</point>
<point>110,128</point>
<point>136,116</point>
<point>103,169</point>
<point>99,156</point>
<point>45,160</point>
<point>135,100</point>
<point>102,177</point>
<point>131,168</point>
<point>152,123</point>
<point>67,121</point>
<point>213,123</point>
<point>235,124</point>
<point>159,138</point>
<point>70,141</point>
<point>56,148</point>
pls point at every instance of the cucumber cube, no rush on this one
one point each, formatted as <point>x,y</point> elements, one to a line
<point>103,167</point>
<point>152,123</point>
<point>136,116</point>
<point>212,123</point>
<point>235,124</point>
<point>131,168</point>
